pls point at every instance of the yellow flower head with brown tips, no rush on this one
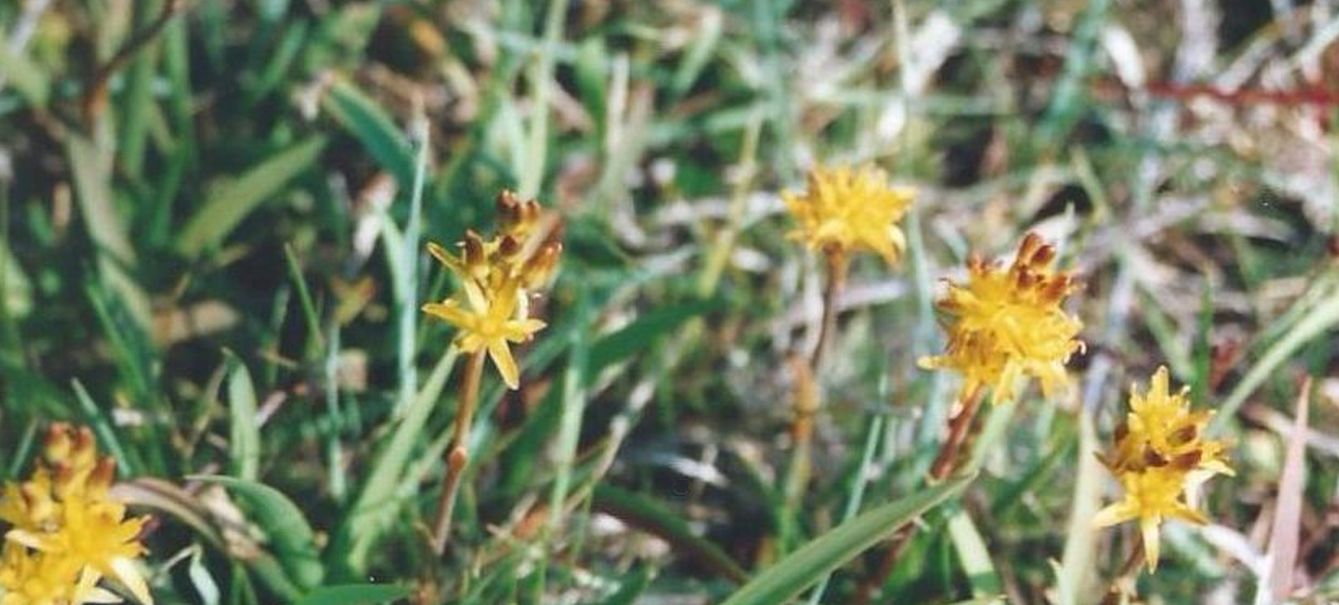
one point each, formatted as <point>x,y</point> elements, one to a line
<point>1007,323</point>
<point>497,278</point>
<point>847,210</point>
<point>1159,457</point>
<point>65,531</point>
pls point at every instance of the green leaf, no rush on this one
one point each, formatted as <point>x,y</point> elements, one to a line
<point>1074,576</point>
<point>374,129</point>
<point>16,291</point>
<point>26,76</point>
<point>973,556</point>
<point>228,202</point>
<point>354,594</point>
<point>622,344</point>
<point>244,445</point>
<point>806,566</point>
<point>1315,323</point>
<point>653,517</point>
<point>290,536</point>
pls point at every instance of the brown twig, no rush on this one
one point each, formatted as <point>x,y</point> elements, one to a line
<point>945,463</point>
<point>95,98</point>
<point>458,456</point>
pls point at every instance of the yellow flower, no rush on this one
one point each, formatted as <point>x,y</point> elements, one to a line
<point>497,277</point>
<point>28,578</point>
<point>1151,495</point>
<point>1009,323</point>
<point>488,321</point>
<point>66,532</point>
<point>1160,456</point>
<point>1161,428</point>
<point>847,210</point>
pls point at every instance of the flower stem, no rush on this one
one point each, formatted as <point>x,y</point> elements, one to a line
<point>959,427</point>
<point>457,456</point>
<point>832,290</point>
<point>807,398</point>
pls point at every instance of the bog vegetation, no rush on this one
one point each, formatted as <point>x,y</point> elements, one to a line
<point>748,302</point>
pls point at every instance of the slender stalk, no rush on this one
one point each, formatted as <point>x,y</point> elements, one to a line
<point>832,291</point>
<point>458,456</point>
<point>959,427</point>
<point>807,394</point>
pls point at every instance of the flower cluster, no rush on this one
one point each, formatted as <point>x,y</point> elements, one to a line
<point>1008,323</point>
<point>497,276</point>
<point>846,210</point>
<point>66,533</point>
<point>1160,455</point>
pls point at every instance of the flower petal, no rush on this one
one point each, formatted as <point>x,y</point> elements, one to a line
<point>506,364</point>
<point>1148,527</point>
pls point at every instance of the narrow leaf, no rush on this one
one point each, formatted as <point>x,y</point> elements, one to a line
<point>227,203</point>
<point>374,129</point>
<point>290,536</point>
<point>245,431</point>
<point>1314,324</point>
<point>810,563</point>
<point>354,594</point>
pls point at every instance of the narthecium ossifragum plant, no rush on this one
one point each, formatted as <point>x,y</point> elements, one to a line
<point>845,211</point>
<point>1004,324</point>
<point>497,277</point>
<point>1160,456</point>
<point>66,533</point>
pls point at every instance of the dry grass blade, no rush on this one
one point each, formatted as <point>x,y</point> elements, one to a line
<point>1285,533</point>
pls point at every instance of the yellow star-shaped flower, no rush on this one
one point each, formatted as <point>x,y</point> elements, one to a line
<point>846,210</point>
<point>1004,324</point>
<point>66,534</point>
<point>1160,456</point>
<point>489,321</point>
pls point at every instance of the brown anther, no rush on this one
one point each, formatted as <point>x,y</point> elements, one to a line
<point>103,474</point>
<point>1188,460</point>
<point>1153,458</point>
<point>1031,242</point>
<point>1043,256</point>
<point>58,442</point>
<point>1185,434</point>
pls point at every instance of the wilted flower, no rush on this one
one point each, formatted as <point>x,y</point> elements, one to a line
<point>1004,324</point>
<point>66,532</point>
<point>497,277</point>
<point>1159,457</point>
<point>847,210</point>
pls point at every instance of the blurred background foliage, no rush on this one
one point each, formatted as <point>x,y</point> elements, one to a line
<point>206,205</point>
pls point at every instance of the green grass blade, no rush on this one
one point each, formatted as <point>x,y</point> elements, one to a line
<point>973,555</point>
<point>374,129</point>
<point>289,534</point>
<point>309,314</point>
<point>654,517</point>
<point>244,443</point>
<point>376,506</point>
<point>354,594</point>
<point>1075,575</point>
<point>1314,324</point>
<point>227,203</point>
<point>822,555</point>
